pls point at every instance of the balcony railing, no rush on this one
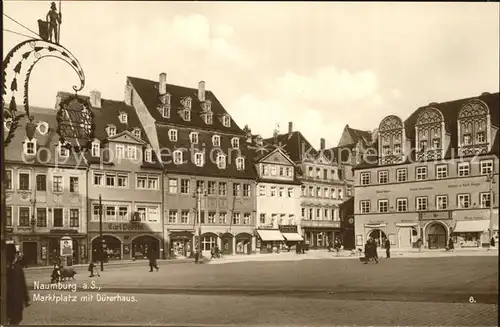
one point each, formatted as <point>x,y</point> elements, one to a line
<point>430,154</point>
<point>389,159</point>
<point>473,149</point>
<point>320,223</point>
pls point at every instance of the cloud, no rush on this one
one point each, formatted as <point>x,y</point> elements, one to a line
<point>319,105</point>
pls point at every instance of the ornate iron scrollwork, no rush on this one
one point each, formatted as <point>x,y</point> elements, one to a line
<point>75,122</point>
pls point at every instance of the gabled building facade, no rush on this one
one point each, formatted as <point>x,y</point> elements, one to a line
<point>209,178</point>
<point>432,177</point>
<point>45,192</point>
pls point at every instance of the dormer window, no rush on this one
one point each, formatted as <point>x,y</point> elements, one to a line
<point>198,159</point>
<point>164,110</point>
<point>258,140</point>
<point>216,140</point>
<point>467,139</point>
<point>221,161</point>
<point>137,132</point>
<point>177,157</point>
<point>165,98</point>
<point>63,150</point>
<point>172,135</point>
<point>148,155</point>
<point>111,129</point>
<point>30,147</point>
<point>123,118</point>
<point>96,149</point>
<point>240,163</point>
<point>187,103</point>
<point>226,121</point>
<point>186,114</point>
<point>209,118</point>
<point>193,137</point>
<point>235,143</point>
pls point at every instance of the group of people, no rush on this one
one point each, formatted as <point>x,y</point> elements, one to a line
<point>371,250</point>
<point>215,252</point>
<point>335,246</point>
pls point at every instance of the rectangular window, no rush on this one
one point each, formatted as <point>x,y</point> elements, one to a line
<point>318,214</point>
<point>464,201</point>
<point>132,152</point>
<point>236,218</point>
<point>481,137</point>
<point>421,202</point>
<point>184,216</point>
<point>153,214</point>
<point>402,205</point>
<point>383,205</point>
<point>74,217</point>
<point>41,183</point>
<point>24,181</point>
<point>262,190</point>
<point>326,192</point>
<point>95,212</point>
<point>486,167</point>
<point>142,213</point>
<point>110,180</point>
<point>24,216</point>
<point>236,189</point>
<point>246,219</point>
<point>98,178</point>
<point>211,217</point>
<point>172,185</point>
<point>383,177</point>
<point>222,188</point>
<point>303,213</point>
<point>485,200</point>
<point>463,169</point>
<point>184,186</point>
<point>8,218</point>
<point>141,181</point>
<point>212,188</point>
<point>110,213</point>
<point>246,189</point>
<point>421,173</point>
<point>332,193</point>
<point>73,184</point>
<point>311,213</point>
<point>120,151</point>
<point>172,217</point>
<point>262,219</point>
<point>291,219</point>
<point>273,170</point>
<point>122,180</point>
<point>442,202</point>
<point>57,184</point>
<point>153,182</point>
<point>303,191</point>
<point>340,195</point>
<point>325,213</point>
<point>290,192</point>
<point>402,175</point>
<point>273,190</point>
<point>123,213</point>
<point>365,178</point>
<point>200,186</point>
<point>8,179</point>
<point>58,217</point>
<point>282,171</point>
<point>441,171</point>
<point>282,192</point>
<point>41,217</point>
<point>222,218</point>
<point>311,191</point>
<point>364,206</point>
<point>318,191</point>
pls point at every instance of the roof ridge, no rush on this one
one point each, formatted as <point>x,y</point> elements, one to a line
<point>176,85</point>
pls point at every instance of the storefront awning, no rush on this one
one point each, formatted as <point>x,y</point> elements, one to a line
<point>270,235</point>
<point>292,237</point>
<point>472,226</point>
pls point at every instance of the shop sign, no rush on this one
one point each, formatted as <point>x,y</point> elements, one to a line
<point>435,215</point>
<point>382,191</point>
<point>427,188</point>
<point>125,227</point>
<point>470,184</point>
<point>288,228</point>
<point>66,246</point>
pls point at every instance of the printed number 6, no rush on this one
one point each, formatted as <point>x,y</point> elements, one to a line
<point>472,300</point>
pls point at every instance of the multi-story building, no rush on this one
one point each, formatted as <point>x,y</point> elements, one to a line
<point>45,192</point>
<point>278,197</point>
<point>323,186</point>
<point>202,149</point>
<point>431,177</point>
<point>123,171</point>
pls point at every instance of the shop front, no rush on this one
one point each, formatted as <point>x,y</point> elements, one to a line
<point>471,233</point>
<point>226,243</point>
<point>291,235</point>
<point>243,243</point>
<point>180,244</point>
<point>269,240</point>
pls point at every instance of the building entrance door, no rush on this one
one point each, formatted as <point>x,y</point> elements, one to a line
<point>30,252</point>
<point>436,236</point>
<point>405,237</point>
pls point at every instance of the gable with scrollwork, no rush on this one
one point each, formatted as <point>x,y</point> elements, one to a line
<point>430,116</point>
<point>390,123</point>
<point>473,108</point>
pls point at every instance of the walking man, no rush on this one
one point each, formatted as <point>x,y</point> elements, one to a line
<point>387,248</point>
<point>152,261</point>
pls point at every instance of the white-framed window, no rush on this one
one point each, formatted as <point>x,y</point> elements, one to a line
<point>485,200</point>
<point>96,149</point>
<point>464,201</point>
<point>212,188</point>
<point>74,184</point>
<point>123,212</point>
<point>8,179</point>
<point>187,102</point>
<point>198,159</point>
<point>172,135</point>
<point>340,194</point>
<point>24,216</point>
<point>120,151</point>
<point>333,193</point>
<point>177,157</point>
<point>290,192</point>
<point>246,190</point>
<point>226,121</point>
<point>147,182</point>
<point>383,205</point>
<point>209,118</point>
<point>222,188</point>
<point>236,189</point>
<point>149,213</point>
<point>208,105</point>
<point>110,213</point>
<point>123,118</point>
<point>467,139</point>
<point>326,192</point>
<point>236,218</point>
<point>318,191</point>
<point>184,186</point>
<point>364,206</point>
<point>165,110</point>
<point>148,155</point>
<point>172,217</point>
<point>486,167</point>
<point>421,173</point>
<point>216,140</point>
<point>172,185</point>
<point>262,219</point>
<point>57,184</point>
<point>222,218</point>
<point>240,163</point>
<point>221,161</point>
<point>111,131</point>
<point>326,213</point>
<point>383,177</point>
<point>193,137</point>
<point>137,132</point>
<point>481,137</point>
<point>41,217</point>
<point>442,202</point>
<point>436,143</point>
<point>365,178</point>
<point>463,169</point>
<point>262,190</point>
<point>24,180</point>
<point>273,191</point>
<point>110,180</point>
<point>402,175</point>
<point>132,152</point>
<point>246,219</point>
<point>74,217</point>
<point>397,148</point>
<point>235,143</point>
<point>98,178</point>
<point>402,205</point>
<point>122,180</point>
<point>186,114</point>
<point>441,171</point>
<point>184,216</point>
<point>208,242</point>
<point>281,192</point>
<point>63,150</point>
<point>211,217</point>
<point>421,203</point>
<point>30,146</point>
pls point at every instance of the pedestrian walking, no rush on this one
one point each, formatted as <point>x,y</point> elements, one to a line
<point>17,290</point>
<point>419,245</point>
<point>451,245</point>
<point>387,248</point>
<point>152,260</point>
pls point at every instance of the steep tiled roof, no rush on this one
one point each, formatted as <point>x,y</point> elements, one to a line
<point>149,94</point>
<point>358,134</point>
<point>296,146</point>
<point>333,154</point>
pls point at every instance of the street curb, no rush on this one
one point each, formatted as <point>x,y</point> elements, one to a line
<point>118,264</point>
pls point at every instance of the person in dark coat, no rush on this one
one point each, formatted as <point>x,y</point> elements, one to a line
<point>387,245</point>
<point>451,245</point>
<point>152,260</point>
<point>17,290</point>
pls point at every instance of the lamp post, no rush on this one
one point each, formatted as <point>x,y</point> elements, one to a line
<point>490,178</point>
<point>198,195</point>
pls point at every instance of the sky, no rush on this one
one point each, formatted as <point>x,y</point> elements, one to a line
<point>320,65</point>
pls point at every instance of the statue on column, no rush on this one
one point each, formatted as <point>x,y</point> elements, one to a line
<point>54,19</point>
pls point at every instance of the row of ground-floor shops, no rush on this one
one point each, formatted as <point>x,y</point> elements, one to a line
<point>432,230</point>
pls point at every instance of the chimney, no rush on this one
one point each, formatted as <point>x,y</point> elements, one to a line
<point>162,87</point>
<point>322,144</point>
<point>201,91</point>
<point>290,128</point>
<point>95,99</point>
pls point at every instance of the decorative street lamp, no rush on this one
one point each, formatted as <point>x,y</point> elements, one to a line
<point>17,67</point>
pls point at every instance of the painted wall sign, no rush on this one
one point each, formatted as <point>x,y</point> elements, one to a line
<point>464,185</point>
<point>427,188</point>
<point>125,227</point>
<point>435,215</point>
<point>382,191</point>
